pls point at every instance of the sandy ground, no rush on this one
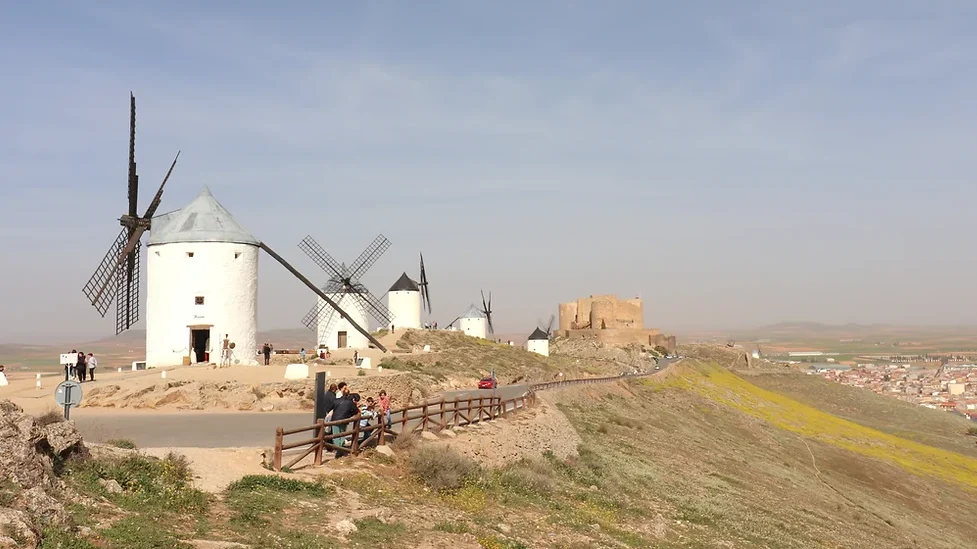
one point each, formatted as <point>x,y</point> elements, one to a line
<point>23,392</point>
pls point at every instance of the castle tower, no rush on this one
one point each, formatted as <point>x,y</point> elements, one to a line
<point>202,285</point>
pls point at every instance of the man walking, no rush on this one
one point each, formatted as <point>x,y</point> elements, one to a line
<point>92,363</point>
<point>266,350</point>
<point>80,368</point>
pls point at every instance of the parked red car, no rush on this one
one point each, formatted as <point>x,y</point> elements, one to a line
<point>487,383</point>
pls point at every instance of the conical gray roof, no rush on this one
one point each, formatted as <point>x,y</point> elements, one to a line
<point>538,334</point>
<point>202,220</point>
<point>405,284</point>
<point>472,312</point>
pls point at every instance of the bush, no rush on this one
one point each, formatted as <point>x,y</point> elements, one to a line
<point>49,417</point>
<point>361,373</point>
<point>442,469</point>
<point>528,477</point>
<point>972,431</point>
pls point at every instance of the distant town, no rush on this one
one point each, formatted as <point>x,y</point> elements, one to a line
<point>945,381</point>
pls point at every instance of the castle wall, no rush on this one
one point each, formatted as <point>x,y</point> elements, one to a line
<point>568,313</point>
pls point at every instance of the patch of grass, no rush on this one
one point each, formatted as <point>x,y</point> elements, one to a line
<point>372,531</point>
<point>60,538</point>
<point>361,373</point>
<point>452,527</point>
<point>149,484</point>
<point>972,431</point>
<point>253,483</point>
<point>123,443</point>
<point>255,499</point>
<point>442,468</point>
<point>725,387</point>
<point>470,498</point>
<point>141,532</point>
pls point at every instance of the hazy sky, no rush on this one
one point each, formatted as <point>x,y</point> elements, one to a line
<point>734,163</point>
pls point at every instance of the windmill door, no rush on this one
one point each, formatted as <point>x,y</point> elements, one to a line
<point>342,341</point>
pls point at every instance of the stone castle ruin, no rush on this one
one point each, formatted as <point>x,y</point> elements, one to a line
<point>610,320</point>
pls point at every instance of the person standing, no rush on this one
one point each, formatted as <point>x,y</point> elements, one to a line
<point>81,368</point>
<point>302,355</point>
<point>266,350</point>
<point>92,363</point>
<point>356,358</point>
<point>385,407</point>
<point>69,369</point>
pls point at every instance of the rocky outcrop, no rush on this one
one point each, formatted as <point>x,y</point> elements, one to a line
<point>28,484</point>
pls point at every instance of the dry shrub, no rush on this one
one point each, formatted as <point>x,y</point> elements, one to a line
<point>404,442</point>
<point>50,417</point>
<point>528,477</point>
<point>441,468</point>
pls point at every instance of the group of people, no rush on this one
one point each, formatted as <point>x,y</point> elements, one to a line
<point>82,369</point>
<point>342,404</point>
<point>266,350</point>
<point>322,353</point>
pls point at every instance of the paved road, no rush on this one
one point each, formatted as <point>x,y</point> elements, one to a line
<point>149,429</point>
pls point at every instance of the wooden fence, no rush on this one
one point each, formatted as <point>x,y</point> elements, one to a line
<point>586,381</point>
<point>328,435</point>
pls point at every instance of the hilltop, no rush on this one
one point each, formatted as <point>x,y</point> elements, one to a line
<point>707,453</point>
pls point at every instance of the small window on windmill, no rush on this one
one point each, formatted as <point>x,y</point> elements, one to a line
<point>237,255</point>
<point>199,300</point>
<point>189,254</point>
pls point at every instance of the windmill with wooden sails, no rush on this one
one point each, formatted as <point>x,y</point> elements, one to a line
<point>202,278</point>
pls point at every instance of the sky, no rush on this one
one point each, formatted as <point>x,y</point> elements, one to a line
<point>733,163</point>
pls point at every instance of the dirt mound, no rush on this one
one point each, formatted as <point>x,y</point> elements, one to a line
<point>28,484</point>
<point>526,434</point>
<point>209,395</point>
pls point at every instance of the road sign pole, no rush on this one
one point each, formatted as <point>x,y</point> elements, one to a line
<point>67,402</point>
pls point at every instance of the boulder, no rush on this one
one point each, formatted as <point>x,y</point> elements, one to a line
<point>428,435</point>
<point>345,527</point>
<point>385,450</point>
<point>27,454</point>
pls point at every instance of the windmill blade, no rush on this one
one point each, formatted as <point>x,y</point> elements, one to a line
<point>321,257</point>
<point>127,292</point>
<point>154,205</point>
<point>425,294</point>
<point>549,325</point>
<point>369,256</point>
<point>101,288</point>
<point>323,295</point>
<point>488,317</point>
<point>133,178</point>
<point>374,306</point>
<point>318,314</point>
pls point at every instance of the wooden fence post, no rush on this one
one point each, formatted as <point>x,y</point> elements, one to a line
<point>443,422</point>
<point>320,440</point>
<point>424,418</point>
<point>454,421</point>
<point>470,410</point>
<point>277,458</point>
<point>354,446</point>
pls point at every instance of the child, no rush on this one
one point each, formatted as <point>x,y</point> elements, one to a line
<point>385,407</point>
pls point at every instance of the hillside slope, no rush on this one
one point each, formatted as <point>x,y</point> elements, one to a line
<point>695,456</point>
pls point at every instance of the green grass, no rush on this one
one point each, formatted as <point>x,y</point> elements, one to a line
<point>149,484</point>
<point>371,532</point>
<point>123,443</point>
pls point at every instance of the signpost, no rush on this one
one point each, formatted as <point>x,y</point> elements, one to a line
<point>68,361</point>
<point>68,395</point>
